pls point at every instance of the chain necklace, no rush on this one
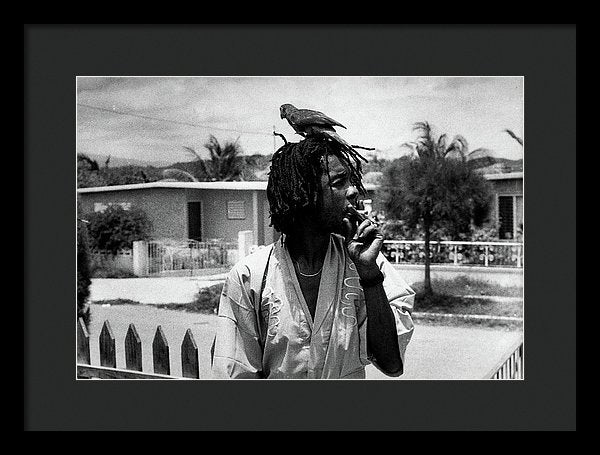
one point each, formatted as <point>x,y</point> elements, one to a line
<point>308,275</point>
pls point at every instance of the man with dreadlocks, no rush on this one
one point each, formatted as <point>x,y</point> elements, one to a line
<point>321,301</point>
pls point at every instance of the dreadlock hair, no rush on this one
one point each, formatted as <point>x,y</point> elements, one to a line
<point>294,185</point>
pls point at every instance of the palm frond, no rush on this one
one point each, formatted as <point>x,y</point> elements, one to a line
<point>192,152</point>
<point>514,136</point>
<point>179,175</point>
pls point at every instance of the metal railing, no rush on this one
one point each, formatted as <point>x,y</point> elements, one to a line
<point>168,255</point>
<point>486,254</point>
<point>511,365</point>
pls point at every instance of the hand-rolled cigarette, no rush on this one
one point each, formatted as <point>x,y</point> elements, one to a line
<point>355,216</point>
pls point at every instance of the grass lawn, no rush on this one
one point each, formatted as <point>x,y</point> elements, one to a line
<point>449,298</point>
<point>463,285</point>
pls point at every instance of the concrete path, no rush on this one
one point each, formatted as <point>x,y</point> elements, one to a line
<point>151,290</point>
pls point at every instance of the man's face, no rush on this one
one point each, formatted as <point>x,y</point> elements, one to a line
<point>337,192</point>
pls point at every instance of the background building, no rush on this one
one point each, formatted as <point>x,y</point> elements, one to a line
<point>193,210</point>
<point>507,203</point>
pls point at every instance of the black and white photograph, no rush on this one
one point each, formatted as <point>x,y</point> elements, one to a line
<point>300,227</point>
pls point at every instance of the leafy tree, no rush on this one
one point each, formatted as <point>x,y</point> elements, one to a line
<point>88,172</point>
<point>435,190</point>
<point>225,164</point>
<point>116,228</point>
<point>83,272</point>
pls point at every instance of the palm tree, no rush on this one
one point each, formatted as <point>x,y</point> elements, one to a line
<point>225,161</point>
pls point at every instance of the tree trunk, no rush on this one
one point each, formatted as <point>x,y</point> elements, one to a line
<point>427,284</point>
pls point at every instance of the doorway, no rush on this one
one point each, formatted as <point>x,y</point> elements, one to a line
<point>195,221</point>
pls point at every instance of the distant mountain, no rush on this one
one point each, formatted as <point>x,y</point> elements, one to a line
<point>120,162</point>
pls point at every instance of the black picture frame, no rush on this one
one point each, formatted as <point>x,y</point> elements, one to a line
<point>55,54</point>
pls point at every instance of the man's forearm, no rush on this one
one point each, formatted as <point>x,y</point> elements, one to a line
<point>382,338</point>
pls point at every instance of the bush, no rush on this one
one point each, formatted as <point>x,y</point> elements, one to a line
<point>104,272</point>
<point>207,299</point>
<point>487,232</point>
<point>115,228</point>
<point>83,273</point>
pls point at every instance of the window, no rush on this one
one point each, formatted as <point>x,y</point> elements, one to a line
<point>101,206</point>
<point>236,210</point>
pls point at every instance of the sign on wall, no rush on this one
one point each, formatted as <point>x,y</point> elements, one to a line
<point>236,210</point>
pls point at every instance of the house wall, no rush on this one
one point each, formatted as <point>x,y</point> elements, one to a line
<point>215,222</point>
<point>166,207</point>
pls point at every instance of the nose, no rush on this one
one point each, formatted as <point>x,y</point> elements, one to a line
<point>352,194</point>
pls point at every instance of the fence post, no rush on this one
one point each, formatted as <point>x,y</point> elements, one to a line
<point>160,353</point>
<point>140,258</point>
<point>245,241</point>
<point>487,252</point>
<point>519,256</point>
<point>83,343</point>
<point>133,349</point>
<point>189,356</point>
<point>455,254</point>
<point>108,353</point>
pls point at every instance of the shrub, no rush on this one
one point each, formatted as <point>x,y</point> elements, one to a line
<point>116,228</point>
<point>207,299</point>
<point>487,232</point>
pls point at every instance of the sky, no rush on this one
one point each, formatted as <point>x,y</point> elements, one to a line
<point>154,118</point>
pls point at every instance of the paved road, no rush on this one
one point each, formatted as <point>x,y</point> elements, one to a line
<point>435,352</point>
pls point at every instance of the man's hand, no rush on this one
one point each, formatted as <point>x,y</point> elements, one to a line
<point>364,244</point>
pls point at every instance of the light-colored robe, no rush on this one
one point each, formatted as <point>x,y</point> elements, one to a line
<point>279,340</point>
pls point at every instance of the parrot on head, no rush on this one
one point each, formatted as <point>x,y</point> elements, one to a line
<point>307,122</point>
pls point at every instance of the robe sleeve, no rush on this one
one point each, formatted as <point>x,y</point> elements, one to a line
<point>401,298</point>
<point>237,350</point>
